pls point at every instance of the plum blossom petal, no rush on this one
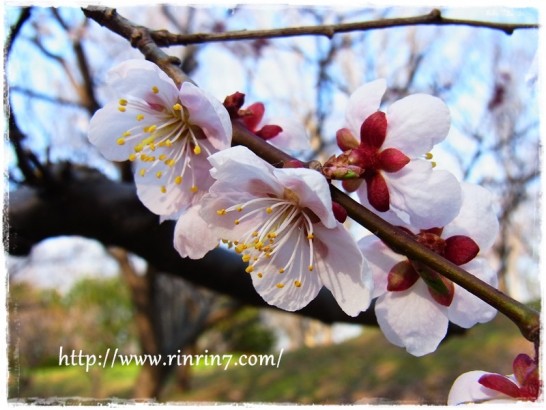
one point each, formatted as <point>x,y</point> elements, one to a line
<point>411,319</point>
<point>165,131</point>
<point>466,389</point>
<point>192,237</point>
<point>476,218</point>
<point>133,77</point>
<point>204,112</point>
<point>466,309</point>
<point>416,123</point>
<point>293,137</point>
<point>335,263</point>
<point>363,103</point>
<point>380,260</point>
<point>421,197</point>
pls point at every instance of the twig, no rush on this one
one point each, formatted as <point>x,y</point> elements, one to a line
<point>164,38</point>
<point>139,37</point>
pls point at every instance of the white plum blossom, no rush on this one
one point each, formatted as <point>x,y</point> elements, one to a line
<point>166,131</point>
<point>478,386</point>
<point>415,303</point>
<point>392,150</point>
<point>281,223</point>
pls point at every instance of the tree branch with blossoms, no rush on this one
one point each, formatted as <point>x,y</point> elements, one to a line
<point>285,218</point>
<point>526,318</point>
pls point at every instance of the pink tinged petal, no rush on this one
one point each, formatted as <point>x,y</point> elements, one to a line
<point>466,309</point>
<point>293,136</point>
<point>346,140</point>
<point>392,160</point>
<point>373,131</point>
<point>312,190</point>
<point>269,131</point>
<point>175,198</point>
<point>416,123</point>
<point>402,276</point>
<point>477,218</point>
<point>378,192</point>
<point>412,319</point>
<point>192,236</point>
<point>499,383</point>
<point>363,103</point>
<point>351,185</point>
<point>255,113</point>
<point>207,113</point>
<point>460,249</point>
<point>342,268</point>
<point>466,389</point>
<point>137,78</point>
<point>423,198</point>
<point>108,125</point>
<point>294,288</point>
<point>380,260</point>
<point>240,170</point>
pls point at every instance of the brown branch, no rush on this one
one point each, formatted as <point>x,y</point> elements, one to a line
<point>139,37</point>
<point>164,38</point>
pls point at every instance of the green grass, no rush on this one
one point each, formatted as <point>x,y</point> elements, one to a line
<point>366,369</point>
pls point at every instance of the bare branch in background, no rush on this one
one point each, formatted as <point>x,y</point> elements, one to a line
<point>163,38</point>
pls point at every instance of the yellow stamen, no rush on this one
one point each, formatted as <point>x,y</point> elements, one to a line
<point>158,174</point>
<point>163,189</point>
<point>126,134</point>
<point>281,270</point>
<point>237,222</point>
<point>150,129</point>
<point>132,157</point>
<point>168,143</point>
<point>280,285</point>
<point>221,212</point>
<point>260,275</point>
<point>310,268</point>
<point>140,117</point>
<point>246,258</point>
<point>297,283</point>
<point>142,172</point>
<point>240,248</point>
<point>239,208</point>
<point>178,180</point>
<point>122,109</point>
<point>170,162</point>
<point>428,155</point>
<point>250,269</point>
<point>121,141</point>
<point>155,90</point>
<point>433,164</point>
<point>271,235</point>
<point>177,107</point>
<point>194,189</point>
<point>122,102</point>
<point>197,150</point>
<point>310,236</point>
<point>162,157</point>
<point>268,210</point>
